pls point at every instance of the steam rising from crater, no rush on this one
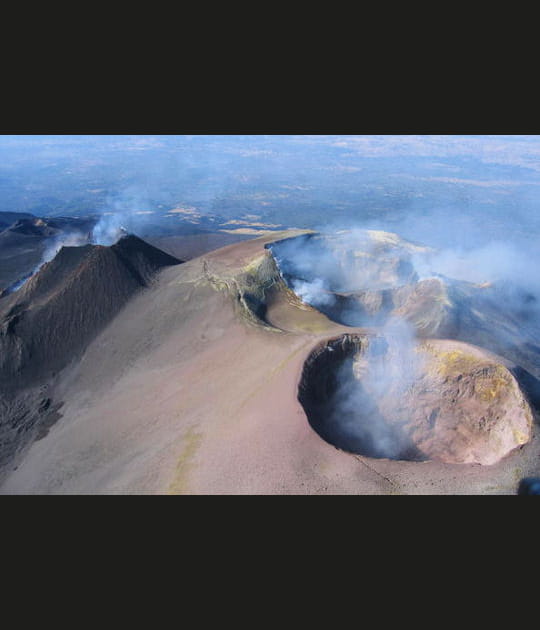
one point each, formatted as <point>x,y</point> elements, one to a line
<point>367,394</point>
<point>54,245</point>
<point>72,239</point>
<point>487,296</point>
<point>129,211</point>
<point>108,230</point>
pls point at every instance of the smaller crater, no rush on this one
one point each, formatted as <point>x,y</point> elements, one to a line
<point>386,397</point>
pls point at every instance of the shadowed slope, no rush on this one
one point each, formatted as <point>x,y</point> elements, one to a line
<point>61,308</point>
<point>50,321</point>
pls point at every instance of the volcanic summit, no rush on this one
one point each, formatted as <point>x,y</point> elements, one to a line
<point>222,374</point>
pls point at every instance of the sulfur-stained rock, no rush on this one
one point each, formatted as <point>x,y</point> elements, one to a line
<point>466,407</point>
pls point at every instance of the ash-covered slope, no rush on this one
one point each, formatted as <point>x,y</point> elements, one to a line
<point>52,318</point>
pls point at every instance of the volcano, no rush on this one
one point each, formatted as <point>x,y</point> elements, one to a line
<point>200,378</point>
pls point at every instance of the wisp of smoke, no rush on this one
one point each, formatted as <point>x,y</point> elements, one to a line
<point>314,269</point>
<point>108,229</point>
<point>316,292</point>
<point>326,271</point>
<point>125,213</point>
<point>120,218</point>
<point>55,244</point>
<point>72,239</point>
<point>370,390</point>
<point>493,262</point>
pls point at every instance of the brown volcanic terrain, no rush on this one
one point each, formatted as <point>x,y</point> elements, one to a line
<point>188,246</point>
<point>192,387</point>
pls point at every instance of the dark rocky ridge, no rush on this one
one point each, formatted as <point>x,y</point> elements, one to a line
<point>50,321</point>
<point>52,318</point>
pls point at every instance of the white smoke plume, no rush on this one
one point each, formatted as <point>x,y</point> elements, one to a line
<point>54,245</point>
<point>315,292</point>
<point>126,212</point>
<point>371,386</point>
<point>370,391</point>
<point>109,229</point>
<point>325,269</point>
<point>71,239</point>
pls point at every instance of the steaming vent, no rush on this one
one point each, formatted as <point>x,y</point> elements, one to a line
<point>355,278</point>
<point>430,400</point>
<point>107,231</point>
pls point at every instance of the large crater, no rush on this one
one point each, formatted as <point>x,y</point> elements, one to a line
<point>353,278</point>
<point>398,398</point>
